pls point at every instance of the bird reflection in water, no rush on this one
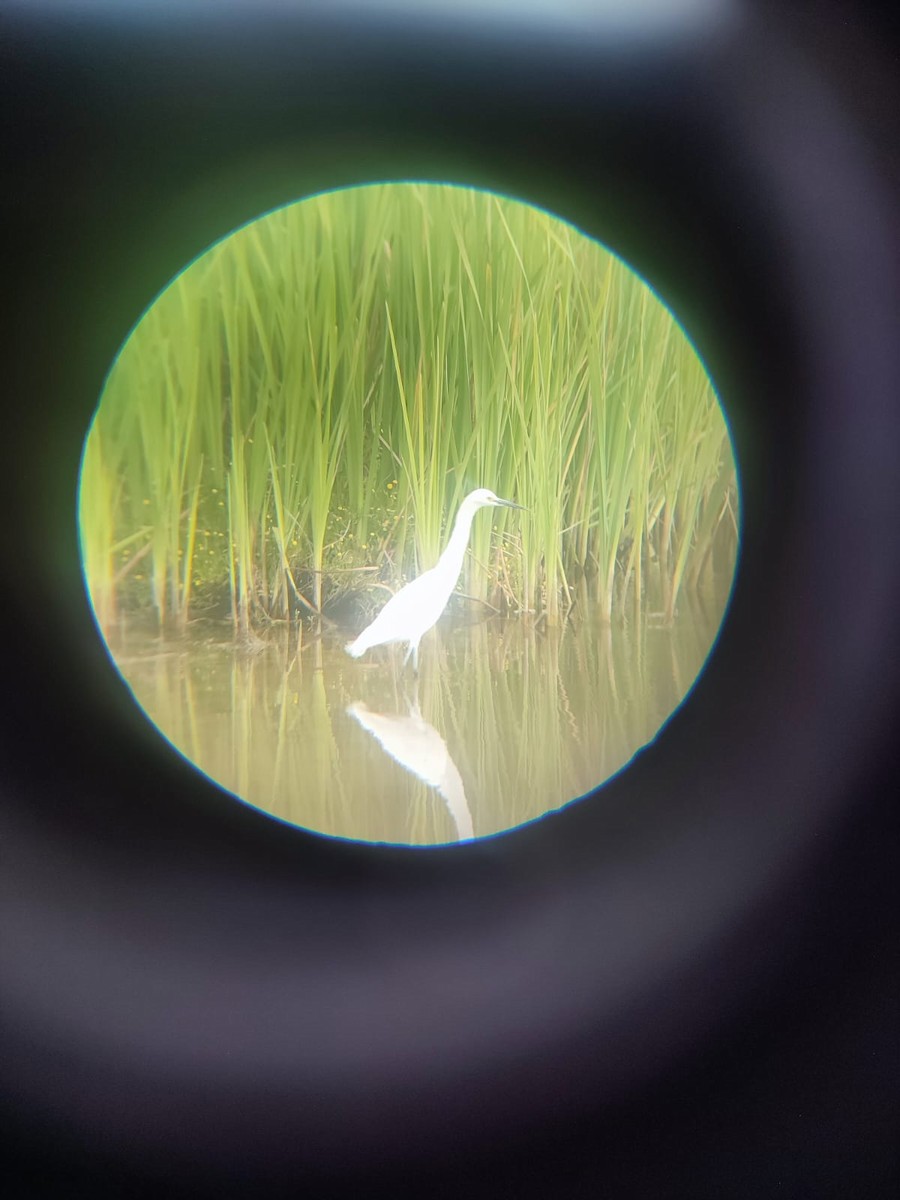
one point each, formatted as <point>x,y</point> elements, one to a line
<point>420,749</point>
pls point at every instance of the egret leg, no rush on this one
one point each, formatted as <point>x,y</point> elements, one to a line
<point>415,658</point>
<point>411,696</point>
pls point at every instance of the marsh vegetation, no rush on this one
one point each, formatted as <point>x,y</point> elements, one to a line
<point>282,444</point>
<point>292,422</point>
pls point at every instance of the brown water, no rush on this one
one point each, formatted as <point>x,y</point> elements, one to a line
<point>504,724</point>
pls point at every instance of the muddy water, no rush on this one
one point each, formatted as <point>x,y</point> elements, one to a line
<point>504,724</point>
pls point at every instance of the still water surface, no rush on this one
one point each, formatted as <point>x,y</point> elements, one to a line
<point>505,723</point>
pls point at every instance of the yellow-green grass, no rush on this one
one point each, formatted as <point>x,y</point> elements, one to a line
<point>318,392</point>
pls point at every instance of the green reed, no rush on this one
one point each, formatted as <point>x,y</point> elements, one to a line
<point>316,394</point>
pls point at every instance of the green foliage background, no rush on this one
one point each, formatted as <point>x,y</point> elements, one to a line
<point>315,395</point>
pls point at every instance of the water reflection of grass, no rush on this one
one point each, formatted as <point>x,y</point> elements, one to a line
<point>531,720</point>
<point>316,393</point>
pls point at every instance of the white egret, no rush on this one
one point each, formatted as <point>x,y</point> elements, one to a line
<point>416,607</point>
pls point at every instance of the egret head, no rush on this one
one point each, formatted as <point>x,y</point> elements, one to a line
<point>482,497</point>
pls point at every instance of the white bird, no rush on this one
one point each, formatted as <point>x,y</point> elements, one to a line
<point>416,607</point>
